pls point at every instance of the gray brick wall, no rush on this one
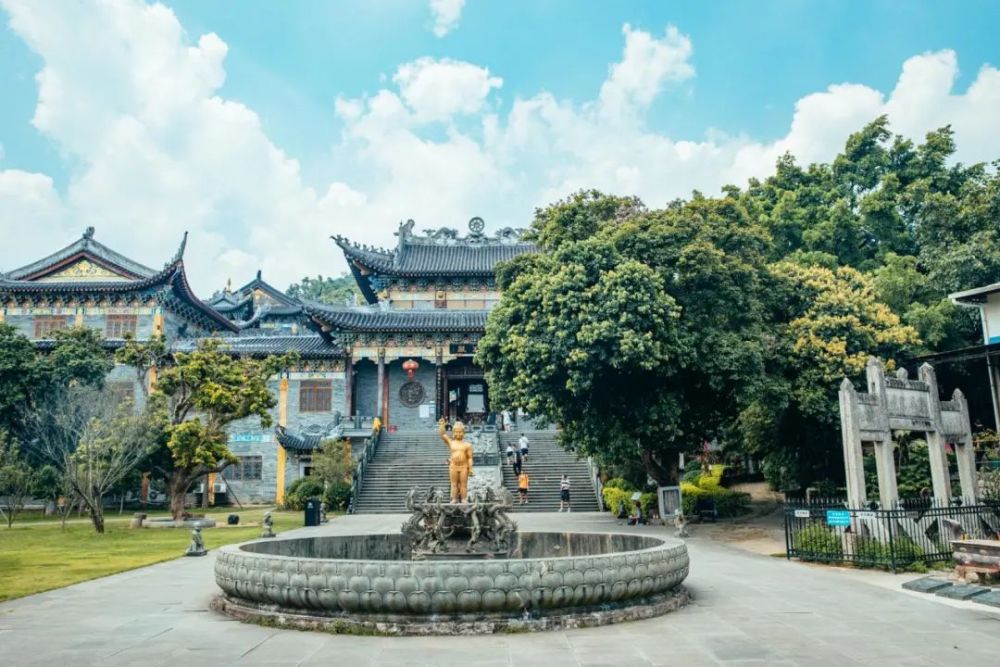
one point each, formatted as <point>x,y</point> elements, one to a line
<point>405,417</point>
<point>366,389</point>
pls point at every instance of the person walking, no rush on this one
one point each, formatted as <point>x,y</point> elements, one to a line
<point>522,487</point>
<point>518,461</point>
<point>510,453</point>
<point>564,494</point>
<point>522,443</point>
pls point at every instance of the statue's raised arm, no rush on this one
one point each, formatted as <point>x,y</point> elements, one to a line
<point>443,432</point>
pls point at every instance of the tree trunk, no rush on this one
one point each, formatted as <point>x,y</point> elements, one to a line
<point>178,485</point>
<point>121,506</point>
<point>97,515</point>
<point>661,474</point>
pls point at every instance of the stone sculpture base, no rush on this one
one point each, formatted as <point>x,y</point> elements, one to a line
<point>479,529</point>
<point>471,624</point>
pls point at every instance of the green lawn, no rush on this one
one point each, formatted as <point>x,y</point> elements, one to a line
<point>38,556</point>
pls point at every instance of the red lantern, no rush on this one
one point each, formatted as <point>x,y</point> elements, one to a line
<point>410,366</point>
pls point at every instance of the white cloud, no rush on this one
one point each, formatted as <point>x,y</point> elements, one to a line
<point>155,149</point>
<point>446,15</point>
<point>439,89</point>
<point>645,66</point>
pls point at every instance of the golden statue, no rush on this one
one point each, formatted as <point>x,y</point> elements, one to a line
<point>460,463</point>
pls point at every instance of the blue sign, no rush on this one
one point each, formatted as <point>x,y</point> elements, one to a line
<point>838,518</point>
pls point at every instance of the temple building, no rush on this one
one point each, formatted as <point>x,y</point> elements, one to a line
<point>405,356</point>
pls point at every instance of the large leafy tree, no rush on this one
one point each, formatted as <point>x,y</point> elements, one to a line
<point>201,392</point>
<point>632,327</point>
<point>825,323</point>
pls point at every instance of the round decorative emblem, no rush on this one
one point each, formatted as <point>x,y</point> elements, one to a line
<point>477,225</point>
<point>412,394</point>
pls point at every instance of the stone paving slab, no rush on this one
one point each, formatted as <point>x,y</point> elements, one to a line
<point>991,598</point>
<point>962,591</point>
<point>747,610</point>
<point>927,584</point>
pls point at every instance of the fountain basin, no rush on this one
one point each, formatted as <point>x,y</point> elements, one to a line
<point>367,583</point>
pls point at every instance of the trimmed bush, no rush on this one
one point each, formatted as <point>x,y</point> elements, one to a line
<point>300,491</point>
<point>818,542</point>
<point>337,496</point>
<point>613,496</point>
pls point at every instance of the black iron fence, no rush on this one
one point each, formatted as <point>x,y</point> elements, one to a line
<point>919,532</point>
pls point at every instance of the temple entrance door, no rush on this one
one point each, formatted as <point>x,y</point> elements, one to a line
<point>467,398</point>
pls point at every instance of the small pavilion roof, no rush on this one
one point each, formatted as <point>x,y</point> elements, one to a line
<point>376,320</point>
<point>304,442</point>
<point>240,303</point>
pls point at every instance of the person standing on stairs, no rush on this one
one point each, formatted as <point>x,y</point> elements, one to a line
<point>564,494</point>
<point>518,462</point>
<point>510,453</point>
<point>522,443</point>
<point>522,487</point>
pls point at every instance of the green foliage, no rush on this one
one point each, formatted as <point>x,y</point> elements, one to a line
<point>202,392</point>
<point>332,462</point>
<point>619,483</point>
<point>17,479</point>
<point>613,497</point>
<point>818,542</point>
<point>48,483</point>
<point>708,485</point>
<point>333,291</point>
<point>871,551</point>
<point>79,356</point>
<point>20,376</point>
<point>337,495</point>
<point>302,490</point>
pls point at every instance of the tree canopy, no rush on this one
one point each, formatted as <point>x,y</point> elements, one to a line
<point>646,332</point>
<point>329,290</point>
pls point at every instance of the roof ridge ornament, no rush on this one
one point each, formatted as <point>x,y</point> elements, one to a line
<point>88,233</point>
<point>477,225</point>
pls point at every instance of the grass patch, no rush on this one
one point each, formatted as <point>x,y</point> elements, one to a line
<point>39,556</point>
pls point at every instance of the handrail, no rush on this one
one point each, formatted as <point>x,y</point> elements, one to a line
<point>357,479</point>
<point>595,480</point>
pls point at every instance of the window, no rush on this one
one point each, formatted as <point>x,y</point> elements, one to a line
<point>315,395</point>
<point>246,468</point>
<point>118,325</point>
<point>46,324</point>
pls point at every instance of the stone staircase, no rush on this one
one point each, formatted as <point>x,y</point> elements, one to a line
<point>418,458</point>
<point>546,464</point>
<point>403,460</point>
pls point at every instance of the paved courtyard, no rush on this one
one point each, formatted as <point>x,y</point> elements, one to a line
<point>748,609</point>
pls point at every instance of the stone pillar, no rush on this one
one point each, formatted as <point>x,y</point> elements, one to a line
<point>279,491</point>
<point>885,463</point>
<point>940,477</point>
<point>850,432</point>
<point>383,408</point>
<point>349,385</point>
<point>3,313</point>
<point>965,453</point>
<point>78,320</point>
<point>158,323</point>
<point>439,383</point>
<point>144,489</point>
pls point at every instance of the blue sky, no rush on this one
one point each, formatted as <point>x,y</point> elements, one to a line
<point>264,127</point>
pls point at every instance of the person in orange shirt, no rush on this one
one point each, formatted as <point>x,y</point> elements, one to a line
<point>522,487</point>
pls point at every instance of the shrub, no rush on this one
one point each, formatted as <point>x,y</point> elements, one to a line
<point>619,483</point>
<point>818,542</point>
<point>613,496</point>
<point>871,551</point>
<point>300,491</point>
<point>727,503</point>
<point>337,496</point>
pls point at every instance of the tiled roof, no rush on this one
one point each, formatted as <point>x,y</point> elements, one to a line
<point>304,442</point>
<point>377,320</point>
<point>240,303</point>
<point>308,346</point>
<point>85,246</point>
<point>440,253</point>
<point>172,276</point>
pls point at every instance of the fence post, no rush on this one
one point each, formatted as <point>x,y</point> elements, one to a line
<point>788,537</point>
<point>892,542</point>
